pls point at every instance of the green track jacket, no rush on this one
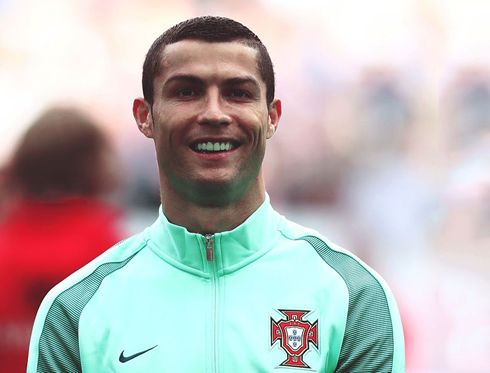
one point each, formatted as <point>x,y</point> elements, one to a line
<point>268,296</point>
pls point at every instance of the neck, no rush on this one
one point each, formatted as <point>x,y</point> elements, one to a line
<point>205,217</point>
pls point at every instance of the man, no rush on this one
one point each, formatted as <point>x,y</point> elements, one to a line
<point>220,282</point>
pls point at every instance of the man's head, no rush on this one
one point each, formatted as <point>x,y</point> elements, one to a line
<point>210,29</point>
<point>210,113</point>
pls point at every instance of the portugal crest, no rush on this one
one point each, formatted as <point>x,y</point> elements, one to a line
<point>295,336</point>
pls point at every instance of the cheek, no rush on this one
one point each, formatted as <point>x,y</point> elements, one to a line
<point>166,126</point>
<point>257,121</point>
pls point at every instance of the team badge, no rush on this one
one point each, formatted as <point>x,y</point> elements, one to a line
<point>295,336</point>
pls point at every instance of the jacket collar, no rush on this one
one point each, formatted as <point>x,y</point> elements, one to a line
<point>232,249</point>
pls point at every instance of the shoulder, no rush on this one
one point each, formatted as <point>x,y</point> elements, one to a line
<point>366,287</point>
<point>373,318</point>
<point>111,260</point>
<point>348,265</point>
<point>56,326</point>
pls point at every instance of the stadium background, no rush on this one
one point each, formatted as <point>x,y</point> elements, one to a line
<point>384,144</point>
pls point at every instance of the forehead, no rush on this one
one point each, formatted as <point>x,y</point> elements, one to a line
<point>210,59</point>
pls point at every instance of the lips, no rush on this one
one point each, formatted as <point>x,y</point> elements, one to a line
<point>213,146</point>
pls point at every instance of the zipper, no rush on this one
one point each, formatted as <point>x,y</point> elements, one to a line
<point>209,247</point>
<point>209,243</point>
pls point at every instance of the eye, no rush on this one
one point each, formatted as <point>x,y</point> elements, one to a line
<point>239,93</point>
<point>186,92</point>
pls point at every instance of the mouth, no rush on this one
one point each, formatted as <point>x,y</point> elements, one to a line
<point>214,147</point>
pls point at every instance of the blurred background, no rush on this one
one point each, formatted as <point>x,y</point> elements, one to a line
<point>384,143</point>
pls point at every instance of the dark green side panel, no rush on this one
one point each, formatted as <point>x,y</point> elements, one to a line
<point>58,345</point>
<point>368,341</point>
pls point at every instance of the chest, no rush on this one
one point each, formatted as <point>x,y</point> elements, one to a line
<point>241,322</point>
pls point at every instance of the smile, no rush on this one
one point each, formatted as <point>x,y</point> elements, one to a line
<point>213,147</point>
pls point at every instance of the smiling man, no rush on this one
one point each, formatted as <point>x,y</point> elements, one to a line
<point>210,119</point>
<point>220,282</point>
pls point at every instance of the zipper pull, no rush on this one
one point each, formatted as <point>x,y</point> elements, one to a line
<point>209,247</point>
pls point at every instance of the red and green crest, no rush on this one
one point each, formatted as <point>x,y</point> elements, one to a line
<point>295,336</point>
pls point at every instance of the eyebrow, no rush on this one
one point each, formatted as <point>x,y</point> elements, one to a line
<point>188,78</point>
<point>183,78</point>
<point>242,80</point>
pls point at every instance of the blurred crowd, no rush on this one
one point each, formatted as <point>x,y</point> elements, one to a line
<point>384,144</point>
<point>53,218</point>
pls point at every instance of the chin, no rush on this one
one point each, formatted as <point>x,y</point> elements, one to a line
<point>216,179</point>
<point>216,185</point>
<point>217,192</point>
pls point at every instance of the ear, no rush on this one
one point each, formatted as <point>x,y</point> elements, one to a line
<point>142,115</point>
<point>275,112</point>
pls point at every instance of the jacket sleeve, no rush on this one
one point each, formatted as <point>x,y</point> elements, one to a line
<point>373,340</point>
<point>54,340</point>
<point>55,343</point>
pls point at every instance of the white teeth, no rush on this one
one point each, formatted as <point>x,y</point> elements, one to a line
<point>216,147</point>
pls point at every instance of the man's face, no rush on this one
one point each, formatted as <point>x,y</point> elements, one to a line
<point>209,119</point>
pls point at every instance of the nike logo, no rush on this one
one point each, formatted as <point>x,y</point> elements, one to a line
<point>125,359</point>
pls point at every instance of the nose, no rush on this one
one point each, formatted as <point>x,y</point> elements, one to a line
<point>213,110</point>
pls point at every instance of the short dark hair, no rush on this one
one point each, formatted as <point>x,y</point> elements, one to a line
<point>210,29</point>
